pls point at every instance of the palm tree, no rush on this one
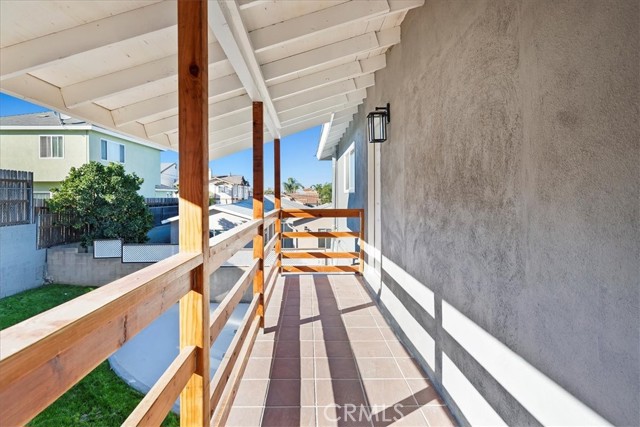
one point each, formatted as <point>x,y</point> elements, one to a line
<point>291,185</point>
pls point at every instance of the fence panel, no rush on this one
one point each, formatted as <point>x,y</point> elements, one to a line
<point>51,232</point>
<point>16,195</point>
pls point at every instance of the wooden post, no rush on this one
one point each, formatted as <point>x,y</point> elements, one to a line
<point>193,120</point>
<point>278,202</point>
<point>258,204</point>
<point>361,242</point>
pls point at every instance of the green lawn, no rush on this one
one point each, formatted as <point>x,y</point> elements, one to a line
<point>101,398</point>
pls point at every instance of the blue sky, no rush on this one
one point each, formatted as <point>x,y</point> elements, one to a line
<point>298,152</point>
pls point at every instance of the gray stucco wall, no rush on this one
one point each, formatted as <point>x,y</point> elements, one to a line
<point>21,263</point>
<point>510,195</point>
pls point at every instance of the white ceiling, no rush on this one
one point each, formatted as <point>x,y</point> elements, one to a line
<point>113,63</point>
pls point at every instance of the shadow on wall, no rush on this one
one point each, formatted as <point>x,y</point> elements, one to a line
<point>486,379</point>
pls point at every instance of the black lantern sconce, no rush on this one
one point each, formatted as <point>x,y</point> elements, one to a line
<point>377,124</point>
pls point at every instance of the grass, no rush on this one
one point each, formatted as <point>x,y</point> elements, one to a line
<point>101,398</point>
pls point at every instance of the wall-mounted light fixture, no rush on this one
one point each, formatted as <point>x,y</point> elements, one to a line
<point>377,124</point>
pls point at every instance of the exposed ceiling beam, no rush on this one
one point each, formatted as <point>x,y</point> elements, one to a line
<point>47,50</point>
<point>216,110</point>
<point>120,81</point>
<point>226,23</point>
<point>311,24</point>
<point>329,53</point>
<point>168,103</point>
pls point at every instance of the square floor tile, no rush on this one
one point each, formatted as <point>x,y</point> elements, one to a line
<point>343,416</point>
<point>370,349</point>
<point>251,393</point>
<point>424,392</point>
<point>258,368</point>
<point>378,367</point>
<point>438,416</point>
<point>397,349</point>
<point>388,392</point>
<point>333,349</point>
<point>294,349</point>
<point>410,368</point>
<point>365,334</point>
<point>339,392</point>
<point>337,368</point>
<point>244,417</point>
<point>291,369</point>
<point>291,393</point>
<point>408,416</point>
<point>289,417</point>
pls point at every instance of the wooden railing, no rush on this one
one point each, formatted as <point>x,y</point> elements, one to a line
<point>324,213</point>
<point>46,355</point>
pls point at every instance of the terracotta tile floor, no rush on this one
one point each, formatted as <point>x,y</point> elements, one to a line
<point>327,358</point>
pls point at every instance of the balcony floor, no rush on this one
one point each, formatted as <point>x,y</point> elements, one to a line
<point>328,358</point>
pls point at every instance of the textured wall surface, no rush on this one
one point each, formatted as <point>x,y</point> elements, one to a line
<point>510,192</point>
<point>21,263</point>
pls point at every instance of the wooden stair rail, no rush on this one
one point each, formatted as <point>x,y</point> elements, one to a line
<point>298,254</point>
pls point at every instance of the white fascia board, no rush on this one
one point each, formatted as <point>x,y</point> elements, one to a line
<point>326,128</point>
<point>53,48</point>
<point>310,24</point>
<point>225,20</point>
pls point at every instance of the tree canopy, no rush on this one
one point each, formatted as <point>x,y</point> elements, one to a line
<point>103,203</point>
<point>324,192</point>
<point>291,185</point>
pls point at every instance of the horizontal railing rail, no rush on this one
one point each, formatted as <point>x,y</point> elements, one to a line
<point>327,254</point>
<point>45,355</point>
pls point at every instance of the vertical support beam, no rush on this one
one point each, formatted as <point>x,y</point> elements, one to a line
<point>361,241</point>
<point>278,201</point>
<point>193,119</point>
<point>258,204</point>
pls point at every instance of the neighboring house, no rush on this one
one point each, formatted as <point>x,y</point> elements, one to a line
<point>227,189</point>
<point>168,180</point>
<point>49,144</point>
<point>311,224</point>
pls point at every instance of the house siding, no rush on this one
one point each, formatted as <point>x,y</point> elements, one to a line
<point>20,150</point>
<point>509,206</point>
<point>143,160</point>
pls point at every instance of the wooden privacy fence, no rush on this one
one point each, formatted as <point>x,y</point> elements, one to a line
<point>44,356</point>
<point>52,232</point>
<point>16,195</point>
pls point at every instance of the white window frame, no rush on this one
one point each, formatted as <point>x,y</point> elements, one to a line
<point>124,151</point>
<point>50,137</point>
<point>349,169</point>
<point>326,241</point>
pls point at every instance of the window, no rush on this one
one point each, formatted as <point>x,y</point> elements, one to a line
<point>51,147</point>
<point>350,169</point>
<point>324,242</point>
<point>111,151</point>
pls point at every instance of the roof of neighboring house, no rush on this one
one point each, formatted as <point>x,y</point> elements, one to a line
<point>230,179</point>
<point>52,120</point>
<point>165,187</point>
<point>164,167</point>
<point>244,208</point>
<point>47,118</point>
<point>307,198</point>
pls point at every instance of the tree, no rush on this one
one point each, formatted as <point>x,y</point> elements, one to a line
<point>268,191</point>
<point>324,192</point>
<point>104,203</point>
<point>291,185</point>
